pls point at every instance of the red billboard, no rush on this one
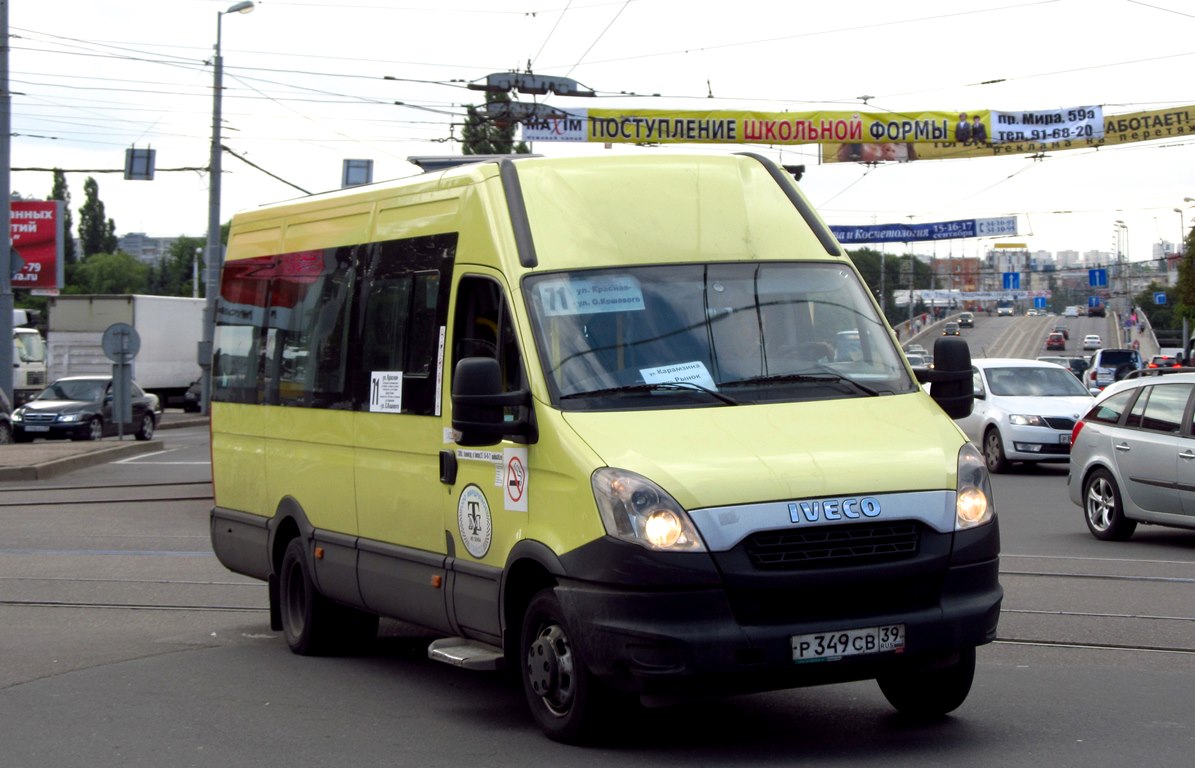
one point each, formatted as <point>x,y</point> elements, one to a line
<point>36,243</point>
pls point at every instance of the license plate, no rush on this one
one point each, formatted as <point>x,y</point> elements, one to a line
<point>37,429</point>
<point>822,646</point>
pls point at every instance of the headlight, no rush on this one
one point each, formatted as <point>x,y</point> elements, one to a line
<point>70,417</point>
<point>18,414</point>
<point>1022,420</point>
<point>635,509</point>
<point>973,504</point>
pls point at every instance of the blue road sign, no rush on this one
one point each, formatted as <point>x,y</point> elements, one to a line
<point>1160,298</point>
<point>1097,278</point>
<point>1012,281</point>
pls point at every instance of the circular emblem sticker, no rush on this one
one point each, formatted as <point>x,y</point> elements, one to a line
<point>473,521</point>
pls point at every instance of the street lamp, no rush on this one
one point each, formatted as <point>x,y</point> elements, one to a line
<point>1182,231</point>
<point>214,256</point>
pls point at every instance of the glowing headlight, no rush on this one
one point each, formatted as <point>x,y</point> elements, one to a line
<point>973,503</point>
<point>635,509</point>
<point>70,416</point>
<point>1024,420</point>
<point>18,414</point>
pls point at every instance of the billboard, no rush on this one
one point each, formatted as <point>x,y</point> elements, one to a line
<point>37,242</point>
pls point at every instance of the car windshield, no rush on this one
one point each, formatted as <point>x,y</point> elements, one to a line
<point>29,347</point>
<point>1027,381</point>
<point>74,389</point>
<point>756,332</point>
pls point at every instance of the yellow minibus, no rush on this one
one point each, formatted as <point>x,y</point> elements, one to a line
<point>628,427</point>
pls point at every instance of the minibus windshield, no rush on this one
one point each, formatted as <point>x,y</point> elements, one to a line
<point>769,332</point>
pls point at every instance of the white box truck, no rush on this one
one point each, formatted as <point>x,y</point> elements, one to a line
<point>28,359</point>
<point>169,328</point>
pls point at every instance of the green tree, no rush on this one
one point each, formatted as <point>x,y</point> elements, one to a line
<point>97,234</point>
<point>483,135</point>
<point>60,192</point>
<point>172,274</point>
<point>117,273</point>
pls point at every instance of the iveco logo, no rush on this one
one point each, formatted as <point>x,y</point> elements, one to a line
<point>833,509</point>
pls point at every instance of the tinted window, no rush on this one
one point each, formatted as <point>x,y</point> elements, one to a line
<point>1164,407</point>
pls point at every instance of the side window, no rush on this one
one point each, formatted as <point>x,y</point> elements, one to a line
<point>1164,410</point>
<point>404,312</point>
<point>482,327</point>
<point>1110,411</point>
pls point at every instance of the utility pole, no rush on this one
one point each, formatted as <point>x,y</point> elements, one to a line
<point>6,301</point>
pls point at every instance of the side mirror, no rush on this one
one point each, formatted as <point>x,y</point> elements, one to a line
<point>951,381</point>
<point>479,404</point>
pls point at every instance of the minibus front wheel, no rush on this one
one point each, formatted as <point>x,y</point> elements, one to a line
<point>565,699</point>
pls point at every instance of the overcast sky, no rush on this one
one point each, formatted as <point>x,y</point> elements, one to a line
<point>309,84</point>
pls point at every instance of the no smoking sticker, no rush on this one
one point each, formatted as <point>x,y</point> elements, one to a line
<point>514,480</point>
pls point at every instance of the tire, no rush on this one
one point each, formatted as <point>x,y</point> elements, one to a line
<point>93,430</point>
<point>1123,370</point>
<point>993,452</point>
<point>1103,508</point>
<point>930,693</point>
<point>5,433</point>
<point>306,614</point>
<point>146,430</point>
<point>566,701</point>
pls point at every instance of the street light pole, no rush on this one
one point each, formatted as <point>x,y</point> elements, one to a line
<point>214,259</point>
<point>1182,231</point>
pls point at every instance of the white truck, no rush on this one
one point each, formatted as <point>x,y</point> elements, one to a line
<point>28,359</point>
<point>169,328</point>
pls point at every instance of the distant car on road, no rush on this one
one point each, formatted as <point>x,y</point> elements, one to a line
<point>80,408</point>
<point>1164,361</point>
<point>1072,311</point>
<point>1063,329</point>
<point>951,329</point>
<point>1110,365</point>
<point>1075,365</point>
<point>1092,341</point>
<point>1056,341</point>
<point>1024,411</point>
<point>966,319</point>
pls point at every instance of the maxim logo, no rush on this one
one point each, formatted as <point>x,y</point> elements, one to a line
<point>833,509</point>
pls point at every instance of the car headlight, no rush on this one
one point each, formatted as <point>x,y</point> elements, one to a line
<point>1024,420</point>
<point>635,509</point>
<point>18,415</point>
<point>70,417</point>
<point>974,504</point>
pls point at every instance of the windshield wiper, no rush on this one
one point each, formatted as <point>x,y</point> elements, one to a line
<point>810,378</point>
<point>658,386</point>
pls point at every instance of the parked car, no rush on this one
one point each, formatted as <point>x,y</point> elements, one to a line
<point>5,419</point>
<point>1109,365</point>
<point>1126,462</point>
<point>966,319</point>
<point>1024,411</point>
<point>951,329</point>
<point>1092,341</point>
<point>80,408</point>
<point>1056,341</point>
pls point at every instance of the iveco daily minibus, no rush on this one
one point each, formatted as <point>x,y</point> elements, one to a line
<point>629,427</point>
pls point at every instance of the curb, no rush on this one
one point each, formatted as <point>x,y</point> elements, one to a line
<point>55,467</point>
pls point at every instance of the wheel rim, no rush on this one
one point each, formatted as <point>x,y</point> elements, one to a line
<point>550,669</point>
<point>1101,504</point>
<point>147,427</point>
<point>96,429</point>
<point>994,452</point>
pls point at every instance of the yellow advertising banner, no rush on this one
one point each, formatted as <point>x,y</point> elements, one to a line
<point>1149,125</point>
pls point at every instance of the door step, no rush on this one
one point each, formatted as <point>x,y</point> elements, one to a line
<point>462,652</point>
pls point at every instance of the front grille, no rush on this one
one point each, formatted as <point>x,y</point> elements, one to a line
<point>1057,422</point>
<point>833,546</point>
<point>35,378</point>
<point>40,418</point>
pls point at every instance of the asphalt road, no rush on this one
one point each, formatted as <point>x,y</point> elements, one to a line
<point>125,643</point>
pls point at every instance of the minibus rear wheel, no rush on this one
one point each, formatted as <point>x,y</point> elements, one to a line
<point>565,699</point>
<point>306,614</point>
<point>930,692</point>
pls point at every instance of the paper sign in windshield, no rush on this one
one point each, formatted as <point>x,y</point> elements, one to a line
<point>385,391</point>
<point>690,373</point>
<point>586,296</point>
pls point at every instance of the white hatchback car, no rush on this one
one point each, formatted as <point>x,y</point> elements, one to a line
<point>1024,411</point>
<point>1132,456</point>
<point>1092,341</point>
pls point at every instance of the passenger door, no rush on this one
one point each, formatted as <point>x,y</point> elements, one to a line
<point>1147,452</point>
